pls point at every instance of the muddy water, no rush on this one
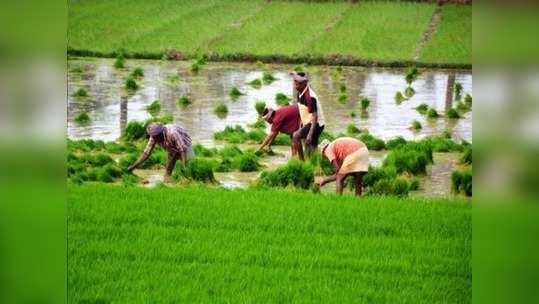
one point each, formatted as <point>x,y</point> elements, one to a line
<point>110,107</point>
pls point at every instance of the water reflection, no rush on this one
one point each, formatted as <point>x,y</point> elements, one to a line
<point>110,107</point>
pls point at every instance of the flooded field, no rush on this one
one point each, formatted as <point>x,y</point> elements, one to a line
<point>110,107</point>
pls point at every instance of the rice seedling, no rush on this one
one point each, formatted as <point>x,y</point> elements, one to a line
<point>409,92</point>
<point>154,108</point>
<point>413,184</point>
<point>365,102</point>
<point>453,114</point>
<point>468,100</point>
<point>411,75</point>
<point>134,130</point>
<point>197,169</point>
<point>195,67</point>
<point>396,143</point>
<point>259,124</point>
<point>461,181</point>
<point>378,173</point>
<point>221,110</point>
<point>248,162</point>
<point>260,105</point>
<point>393,187</point>
<point>267,78</point>
<point>282,100</point>
<point>131,84</point>
<point>458,91</point>
<point>462,107</point>
<point>407,160</point>
<point>351,129</point>
<point>295,173</point>
<point>256,83</point>
<point>372,142</point>
<point>81,93</point>
<point>183,101</point>
<point>343,98</point>
<point>76,70</point>
<point>353,114</point>
<point>339,69</point>
<point>422,108</point>
<point>300,68</point>
<point>467,155</point>
<point>201,151</point>
<point>399,98</point>
<point>137,73</point>
<point>282,140</point>
<point>129,179</point>
<point>119,63</point>
<point>82,118</point>
<point>342,88</point>
<point>432,113</point>
<point>235,93</point>
<point>173,79</point>
<point>416,125</point>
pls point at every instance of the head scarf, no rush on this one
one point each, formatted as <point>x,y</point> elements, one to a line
<point>269,114</point>
<point>323,145</point>
<point>155,129</point>
<point>299,78</point>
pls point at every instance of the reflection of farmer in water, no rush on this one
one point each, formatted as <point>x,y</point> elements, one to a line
<point>349,157</point>
<point>285,120</point>
<point>174,139</point>
<point>311,114</point>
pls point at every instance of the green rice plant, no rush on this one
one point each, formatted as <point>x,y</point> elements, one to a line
<point>467,155</point>
<point>411,75</point>
<point>138,72</point>
<point>229,151</point>
<point>134,130</point>
<point>282,140</point>
<point>372,142</point>
<point>300,68</point>
<point>416,125</point>
<point>353,114</point>
<point>453,114</point>
<point>197,169</point>
<point>225,165</point>
<point>201,151</point>
<point>458,91</point>
<point>339,69</point>
<point>399,98</point>
<point>131,84</point>
<point>409,92</point>
<point>468,100</point>
<point>413,184</point>
<point>173,79</point>
<point>81,93</point>
<point>154,108</point>
<point>256,135</point>
<point>183,101</point>
<point>326,135</point>
<point>221,110</point>
<point>163,119</point>
<point>432,113</point>
<point>462,107</point>
<point>282,100</point>
<point>260,105</point>
<point>390,187</point>
<point>379,173</point>
<point>342,88</point>
<point>461,181</point>
<point>396,143</point>
<point>85,145</point>
<point>295,173</point>
<point>267,78</point>
<point>407,160</point>
<point>195,66</point>
<point>321,164</point>
<point>76,70</point>
<point>235,93</point>
<point>82,118</point>
<point>343,98</point>
<point>259,124</point>
<point>248,162</point>
<point>351,129</point>
<point>228,132</point>
<point>120,62</point>
<point>129,179</point>
<point>365,102</point>
<point>256,83</point>
<point>422,108</point>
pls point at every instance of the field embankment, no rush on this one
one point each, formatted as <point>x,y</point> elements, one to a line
<point>200,244</point>
<point>337,33</point>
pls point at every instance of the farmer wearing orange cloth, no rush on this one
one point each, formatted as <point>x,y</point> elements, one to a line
<point>349,157</point>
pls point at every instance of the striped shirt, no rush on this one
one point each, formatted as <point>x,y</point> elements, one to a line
<point>176,140</point>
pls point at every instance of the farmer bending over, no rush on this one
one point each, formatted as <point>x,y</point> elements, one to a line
<point>349,157</point>
<point>285,120</point>
<point>173,139</point>
<point>311,114</point>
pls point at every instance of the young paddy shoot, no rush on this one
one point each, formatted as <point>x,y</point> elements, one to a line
<point>221,110</point>
<point>183,101</point>
<point>235,93</point>
<point>82,118</point>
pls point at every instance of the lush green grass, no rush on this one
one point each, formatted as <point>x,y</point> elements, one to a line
<point>452,41</point>
<point>381,31</point>
<point>281,28</point>
<point>192,244</point>
<point>378,30</point>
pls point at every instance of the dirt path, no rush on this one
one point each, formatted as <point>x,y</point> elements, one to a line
<point>434,20</point>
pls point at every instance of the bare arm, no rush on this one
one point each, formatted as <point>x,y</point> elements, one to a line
<point>314,121</point>
<point>171,161</point>
<point>268,140</point>
<point>333,177</point>
<point>147,152</point>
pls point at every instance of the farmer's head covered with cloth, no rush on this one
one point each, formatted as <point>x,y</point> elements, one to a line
<point>311,114</point>
<point>349,157</point>
<point>174,139</point>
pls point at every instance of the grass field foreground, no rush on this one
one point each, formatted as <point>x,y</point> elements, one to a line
<point>199,244</point>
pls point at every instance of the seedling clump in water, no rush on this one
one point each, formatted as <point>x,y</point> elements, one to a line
<point>82,118</point>
<point>281,99</point>
<point>260,106</point>
<point>256,83</point>
<point>453,114</point>
<point>267,78</point>
<point>431,113</point>
<point>81,92</point>
<point>365,102</point>
<point>154,108</point>
<point>221,110</point>
<point>120,62</point>
<point>131,84</point>
<point>137,73</point>
<point>183,101</point>
<point>416,125</point>
<point>422,108</point>
<point>235,93</point>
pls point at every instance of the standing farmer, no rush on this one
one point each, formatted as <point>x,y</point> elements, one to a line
<point>311,114</point>
<point>174,139</point>
<point>285,120</point>
<point>349,157</point>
